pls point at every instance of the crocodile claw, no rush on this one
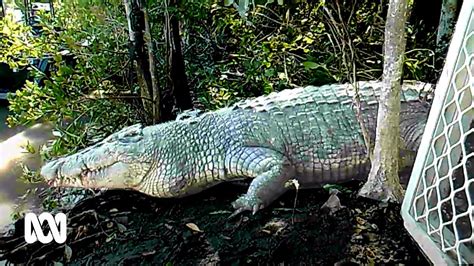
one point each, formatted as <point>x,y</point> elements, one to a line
<point>247,203</point>
<point>235,213</point>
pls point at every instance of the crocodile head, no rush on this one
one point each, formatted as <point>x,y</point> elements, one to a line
<point>121,160</point>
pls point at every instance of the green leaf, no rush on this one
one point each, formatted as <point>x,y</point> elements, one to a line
<point>29,148</point>
<point>311,65</point>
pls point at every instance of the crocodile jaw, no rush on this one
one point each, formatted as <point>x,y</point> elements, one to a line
<point>114,162</point>
<point>62,174</point>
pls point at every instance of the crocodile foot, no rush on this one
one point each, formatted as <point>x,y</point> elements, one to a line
<point>247,203</point>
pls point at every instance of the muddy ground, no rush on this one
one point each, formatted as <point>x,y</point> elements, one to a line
<point>120,227</point>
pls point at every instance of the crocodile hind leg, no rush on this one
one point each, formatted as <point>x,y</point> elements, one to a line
<point>270,170</point>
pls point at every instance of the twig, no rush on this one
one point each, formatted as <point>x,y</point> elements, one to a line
<point>286,71</point>
<point>269,18</point>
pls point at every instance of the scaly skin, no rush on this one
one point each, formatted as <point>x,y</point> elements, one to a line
<point>310,134</point>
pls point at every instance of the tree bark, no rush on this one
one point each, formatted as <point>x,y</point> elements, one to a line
<point>383,182</point>
<point>177,82</point>
<point>447,21</point>
<point>156,94</point>
<point>141,52</point>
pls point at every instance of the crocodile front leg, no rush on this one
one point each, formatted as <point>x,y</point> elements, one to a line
<point>270,170</point>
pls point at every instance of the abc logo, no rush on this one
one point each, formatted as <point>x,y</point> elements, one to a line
<point>57,226</point>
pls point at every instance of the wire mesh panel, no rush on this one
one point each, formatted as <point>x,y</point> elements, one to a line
<point>438,207</point>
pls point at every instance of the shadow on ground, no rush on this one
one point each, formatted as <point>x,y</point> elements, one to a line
<point>130,228</point>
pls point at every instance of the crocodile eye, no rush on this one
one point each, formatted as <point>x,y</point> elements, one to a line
<point>130,134</point>
<point>130,138</point>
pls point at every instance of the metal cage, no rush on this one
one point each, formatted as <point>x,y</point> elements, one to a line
<point>438,208</point>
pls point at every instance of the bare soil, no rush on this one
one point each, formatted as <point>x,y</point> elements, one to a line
<point>123,227</point>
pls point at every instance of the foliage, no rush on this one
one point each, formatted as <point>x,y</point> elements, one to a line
<point>228,56</point>
<point>86,46</point>
<point>275,47</point>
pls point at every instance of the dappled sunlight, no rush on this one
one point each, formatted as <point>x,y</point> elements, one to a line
<point>12,149</point>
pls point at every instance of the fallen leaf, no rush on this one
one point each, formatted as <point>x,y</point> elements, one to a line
<point>193,227</point>
<point>274,227</point>
<point>149,253</point>
<point>67,253</point>
<point>109,238</point>
<point>360,220</point>
<point>121,227</point>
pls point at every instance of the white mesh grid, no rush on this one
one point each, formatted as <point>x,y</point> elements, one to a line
<point>438,208</point>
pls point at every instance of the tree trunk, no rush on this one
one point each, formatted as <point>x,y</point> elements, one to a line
<point>383,181</point>
<point>447,21</point>
<point>177,82</point>
<point>141,52</point>
<point>156,95</point>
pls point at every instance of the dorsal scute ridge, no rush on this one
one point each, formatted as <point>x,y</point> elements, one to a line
<point>369,91</point>
<point>343,94</point>
<point>295,97</point>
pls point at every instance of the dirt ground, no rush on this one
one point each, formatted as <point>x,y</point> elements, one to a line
<point>121,227</point>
